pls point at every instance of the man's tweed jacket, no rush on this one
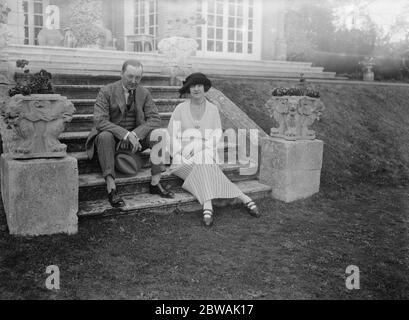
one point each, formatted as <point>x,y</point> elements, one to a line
<point>109,110</point>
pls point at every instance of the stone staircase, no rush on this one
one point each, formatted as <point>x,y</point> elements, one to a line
<point>92,190</point>
<point>93,62</point>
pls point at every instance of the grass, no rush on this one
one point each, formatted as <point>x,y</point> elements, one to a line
<point>295,251</point>
<point>365,128</point>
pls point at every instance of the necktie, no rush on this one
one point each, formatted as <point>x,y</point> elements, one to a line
<point>131,98</point>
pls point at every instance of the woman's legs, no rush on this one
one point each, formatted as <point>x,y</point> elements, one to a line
<point>207,205</point>
<point>244,198</point>
<point>206,182</point>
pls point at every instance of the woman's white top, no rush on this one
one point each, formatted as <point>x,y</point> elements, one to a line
<point>186,133</point>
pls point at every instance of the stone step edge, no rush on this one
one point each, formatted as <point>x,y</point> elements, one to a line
<point>82,155</point>
<point>146,75</point>
<point>99,86</point>
<point>16,49</point>
<point>262,72</point>
<point>78,135</point>
<point>144,203</point>
<point>90,116</point>
<point>71,63</point>
<point>144,175</point>
<point>214,73</point>
<point>156,100</point>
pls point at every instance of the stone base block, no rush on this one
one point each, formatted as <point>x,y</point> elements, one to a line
<point>291,168</point>
<point>290,185</point>
<point>40,196</point>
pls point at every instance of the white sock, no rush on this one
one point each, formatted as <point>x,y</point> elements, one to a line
<point>155,179</point>
<point>110,181</point>
<point>207,205</point>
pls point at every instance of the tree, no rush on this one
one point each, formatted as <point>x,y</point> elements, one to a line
<point>85,22</point>
<point>309,27</point>
<point>330,27</point>
<point>353,14</point>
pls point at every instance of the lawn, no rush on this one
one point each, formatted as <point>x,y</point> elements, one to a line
<point>295,251</point>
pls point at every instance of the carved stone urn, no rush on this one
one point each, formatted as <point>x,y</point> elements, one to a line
<point>294,115</point>
<point>176,52</point>
<point>367,65</point>
<point>30,125</point>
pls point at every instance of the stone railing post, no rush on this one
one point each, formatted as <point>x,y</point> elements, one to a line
<point>291,158</point>
<point>39,182</point>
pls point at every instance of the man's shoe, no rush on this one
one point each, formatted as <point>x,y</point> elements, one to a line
<point>158,189</point>
<point>115,200</point>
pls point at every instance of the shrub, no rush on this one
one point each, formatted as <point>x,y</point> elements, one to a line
<point>301,90</point>
<point>38,83</point>
<point>386,68</point>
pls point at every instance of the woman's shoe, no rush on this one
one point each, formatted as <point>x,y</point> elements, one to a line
<point>252,209</point>
<point>207,217</point>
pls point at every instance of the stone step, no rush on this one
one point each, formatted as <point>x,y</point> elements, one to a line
<point>93,64</point>
<point>90,67</point>
<point>183,201</point>
<point>240,71</point>
<point>105,62</point>
<point>91,91</point>
<point>86,166</point>
<point>86,106</point>
<point>85,122</point>
<point>210,69</point>
<point>50,54</point>
<point>82,79</point>
<point>92,186</point>
<point>272,73</point>
<point>75,141</point>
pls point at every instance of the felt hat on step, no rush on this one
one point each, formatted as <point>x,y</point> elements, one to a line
<point>128,163</point>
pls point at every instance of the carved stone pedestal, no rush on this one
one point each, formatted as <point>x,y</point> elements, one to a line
<point>40,196</point>
<point>50,38</point>
<point>291,168</point>
<point>369,75</point>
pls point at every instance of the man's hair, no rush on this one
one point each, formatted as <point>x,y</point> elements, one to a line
<point>133,63</point>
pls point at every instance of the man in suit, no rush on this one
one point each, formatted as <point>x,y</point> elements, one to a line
<point>124,117</point>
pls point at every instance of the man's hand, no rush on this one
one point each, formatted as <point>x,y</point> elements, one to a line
<point>134,141</point>
<point>123,144</point>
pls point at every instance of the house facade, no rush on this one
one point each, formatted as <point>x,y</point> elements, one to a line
<point>233,29</point>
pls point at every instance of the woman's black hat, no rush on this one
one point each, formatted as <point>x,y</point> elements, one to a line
<point>193,79</point>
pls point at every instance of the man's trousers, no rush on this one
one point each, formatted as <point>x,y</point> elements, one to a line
<point>106,144</point>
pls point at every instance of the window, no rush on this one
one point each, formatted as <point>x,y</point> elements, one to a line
<point>146,18</point>
<point>230,27</point>
<point>33,12</point>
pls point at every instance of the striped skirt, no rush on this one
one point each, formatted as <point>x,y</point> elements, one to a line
<point>204,179</point>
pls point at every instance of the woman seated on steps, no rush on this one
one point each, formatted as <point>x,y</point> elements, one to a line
<point>194,152</point>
